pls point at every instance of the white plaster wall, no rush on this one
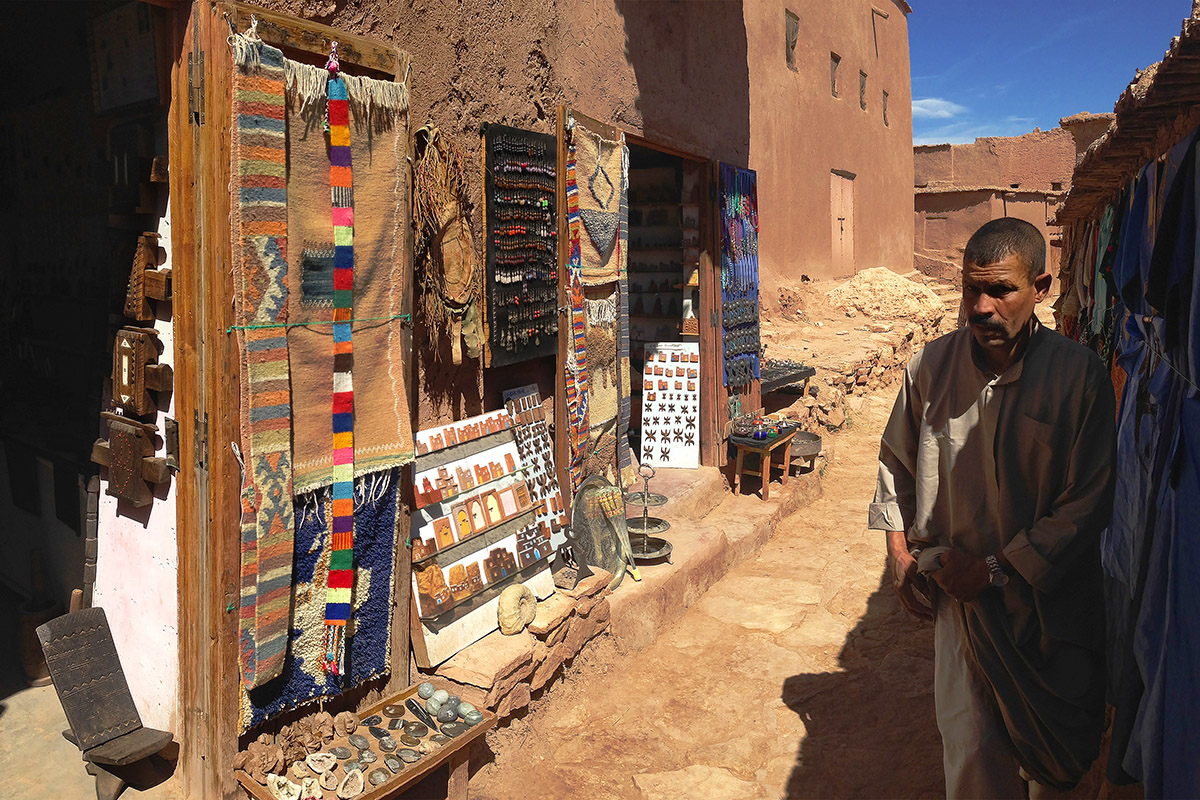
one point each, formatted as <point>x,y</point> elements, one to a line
<point>137,571</point>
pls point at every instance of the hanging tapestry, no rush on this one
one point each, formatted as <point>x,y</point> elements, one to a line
<point>739,275</point>
<point>258,219</point>
<point>600,172</point>
<point>576,366</point>
<point>304,679</point>
<point>448,282</point>
<point>625,459</point>
<point>377,193</point>
<point>520,185</point>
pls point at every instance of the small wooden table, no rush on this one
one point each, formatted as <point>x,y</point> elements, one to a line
<point>765,449</point>
<point>455,753</point>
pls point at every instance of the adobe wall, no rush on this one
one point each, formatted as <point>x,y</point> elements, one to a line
<point>800,132</point>
<point>1034,161</point>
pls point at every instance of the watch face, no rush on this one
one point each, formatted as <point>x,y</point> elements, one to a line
<point>999,579</point>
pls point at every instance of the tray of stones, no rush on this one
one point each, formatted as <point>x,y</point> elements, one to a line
<point>391,747</point>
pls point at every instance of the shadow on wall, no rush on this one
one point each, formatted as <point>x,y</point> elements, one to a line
<point>870,728</point>
<point>693,77</point>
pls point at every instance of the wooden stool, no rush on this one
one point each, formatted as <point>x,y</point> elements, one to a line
<point>765,449</point>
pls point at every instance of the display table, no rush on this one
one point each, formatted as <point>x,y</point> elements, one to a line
<point>455,753</point>
<point>765,450</point>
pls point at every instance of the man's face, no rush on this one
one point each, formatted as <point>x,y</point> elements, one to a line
<point>1000,298</point>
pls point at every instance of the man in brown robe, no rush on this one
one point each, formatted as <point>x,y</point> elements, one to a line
<point>995,482</point>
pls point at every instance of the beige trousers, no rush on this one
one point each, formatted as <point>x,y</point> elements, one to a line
<point>976,753</point>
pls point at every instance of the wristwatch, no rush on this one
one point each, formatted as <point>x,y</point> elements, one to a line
<point>999,577</point>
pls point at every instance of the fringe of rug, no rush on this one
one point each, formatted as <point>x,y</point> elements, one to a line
<point>378,102</point>
<point>245,50</point>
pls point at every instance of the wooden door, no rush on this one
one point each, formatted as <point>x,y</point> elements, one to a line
<point>841,217</point>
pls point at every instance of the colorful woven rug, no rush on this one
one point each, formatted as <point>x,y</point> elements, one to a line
<point>739,275</point>
<point>259,223</point>
<point>368,648</point>
<point>378,140</point>
<point>341,563</point>
<point>600,166</point>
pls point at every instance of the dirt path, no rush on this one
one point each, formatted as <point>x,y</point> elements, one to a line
<point>797,675</point>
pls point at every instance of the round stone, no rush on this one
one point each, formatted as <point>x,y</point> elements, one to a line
<point>416,729</point>
<point>464,709</point>
<point>408,756</point>
<point>378,733</point>
<point>361,742</point>
<point>425,691</point>
<point>433,706</point>
<point>374,719</point>
<point>453,729</point>
<point>447,714</point>
<point>441,695</point>
<point>367,757</point>
<point>473,717</point>
<point>408,740</point>
<point>388,745</point>
<point>377,776</point>
<point>341,752</point>
<point>393,763</point>
<point>350,766</point>
<point>393,711</point>
<point>438,738</point>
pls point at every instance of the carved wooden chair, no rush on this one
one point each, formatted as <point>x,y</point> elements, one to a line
<point>91,686</point>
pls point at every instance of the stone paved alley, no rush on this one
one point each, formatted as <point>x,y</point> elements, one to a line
<point>796,675</point>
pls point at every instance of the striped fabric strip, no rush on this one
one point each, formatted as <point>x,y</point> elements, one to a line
<point>341,562</point>
<point>577,374</point>
<point>624,453</point>
<point>259,156</point>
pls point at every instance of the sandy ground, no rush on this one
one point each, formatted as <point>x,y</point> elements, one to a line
<point>797,675</point>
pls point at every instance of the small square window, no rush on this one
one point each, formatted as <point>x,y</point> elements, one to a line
<point>885,119</point>
<point>834,60</point>
<point>862,90</point>
<point>1056,186</point>
<point>791,32</point>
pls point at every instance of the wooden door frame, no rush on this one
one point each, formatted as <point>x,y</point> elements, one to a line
<point>207,373</point>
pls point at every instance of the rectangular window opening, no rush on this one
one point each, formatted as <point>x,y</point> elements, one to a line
<point>791,34</point>
<point>834,60</point>
<point>1056,186</point>
<point>862,90</point>
<point>885,119</point>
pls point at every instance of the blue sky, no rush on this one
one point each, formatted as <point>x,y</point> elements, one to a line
<point>1002,69</point>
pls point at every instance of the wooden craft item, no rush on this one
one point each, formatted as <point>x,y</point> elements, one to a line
<point>136,371</point>
<point>567,568</point>
<point>492,508</point>
<point>459,587</point>
<point>443,533</point>
<point>478,515</point>
<point>462,521</point>
<point>523,499</point>
<point>474,580</point>
<point>499,564</point>
<point>423,548</point>
<point>432,591</point>
<point>465,481</point>
<point>171,437</point>
<point>508,502</point>
<point>146,281</point>
<point>129,456</point>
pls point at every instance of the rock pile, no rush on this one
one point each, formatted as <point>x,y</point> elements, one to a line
<point>881,294</point>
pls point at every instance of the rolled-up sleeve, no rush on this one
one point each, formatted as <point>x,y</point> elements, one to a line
<point>895,489</point>
<point>1047,550</point>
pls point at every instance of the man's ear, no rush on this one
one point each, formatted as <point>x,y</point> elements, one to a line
<point>1041,285</point>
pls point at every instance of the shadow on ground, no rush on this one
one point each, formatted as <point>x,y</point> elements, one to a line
<point>870,728</point>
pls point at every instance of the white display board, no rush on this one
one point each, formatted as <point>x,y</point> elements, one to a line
<point>671,405</point>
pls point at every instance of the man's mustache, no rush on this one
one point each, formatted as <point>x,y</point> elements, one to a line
<point>987,323</point>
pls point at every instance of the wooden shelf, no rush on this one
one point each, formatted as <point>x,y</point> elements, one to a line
<point>461,608</point>
<point>480,541</point>
<point>457,452</point>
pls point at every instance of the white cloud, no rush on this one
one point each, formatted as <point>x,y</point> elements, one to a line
<point>936,108</point>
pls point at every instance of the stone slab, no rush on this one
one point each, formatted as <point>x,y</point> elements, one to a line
<point>691,493</point>
<point>551,612</point>
<point>492,658</point>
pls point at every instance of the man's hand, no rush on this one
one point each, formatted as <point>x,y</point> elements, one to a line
<point>905,579</point>
<point>962,576</point>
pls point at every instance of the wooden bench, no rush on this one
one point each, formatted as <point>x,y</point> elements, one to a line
<point>765,450</point>
<point>95,697</point>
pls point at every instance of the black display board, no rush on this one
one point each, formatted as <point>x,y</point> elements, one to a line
<point>521,220</point>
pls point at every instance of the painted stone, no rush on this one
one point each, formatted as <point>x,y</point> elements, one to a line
<point>378,733</point>
<point>330,781</point>
<point>393,711</point>
<point>387,744</point>
<point>377,776</point>
<point>425,691</point>
<point>367,757</point>
<point>393,763</point>
<point>447,714</point>
<point>374,719</point>
<point>473,717</point>
<point>352,785</point>
<point>359,741</point>
<point>464,709</point>
<point>321,762</point>
<point>441,695</point>
<point>341,752</point>
<point>408,756</point>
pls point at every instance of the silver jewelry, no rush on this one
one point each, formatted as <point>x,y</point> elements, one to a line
<point>999,577</point>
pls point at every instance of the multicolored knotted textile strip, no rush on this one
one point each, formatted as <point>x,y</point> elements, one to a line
<point>341,562</point>
<point>259,220</point>
<point>577,367</point>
